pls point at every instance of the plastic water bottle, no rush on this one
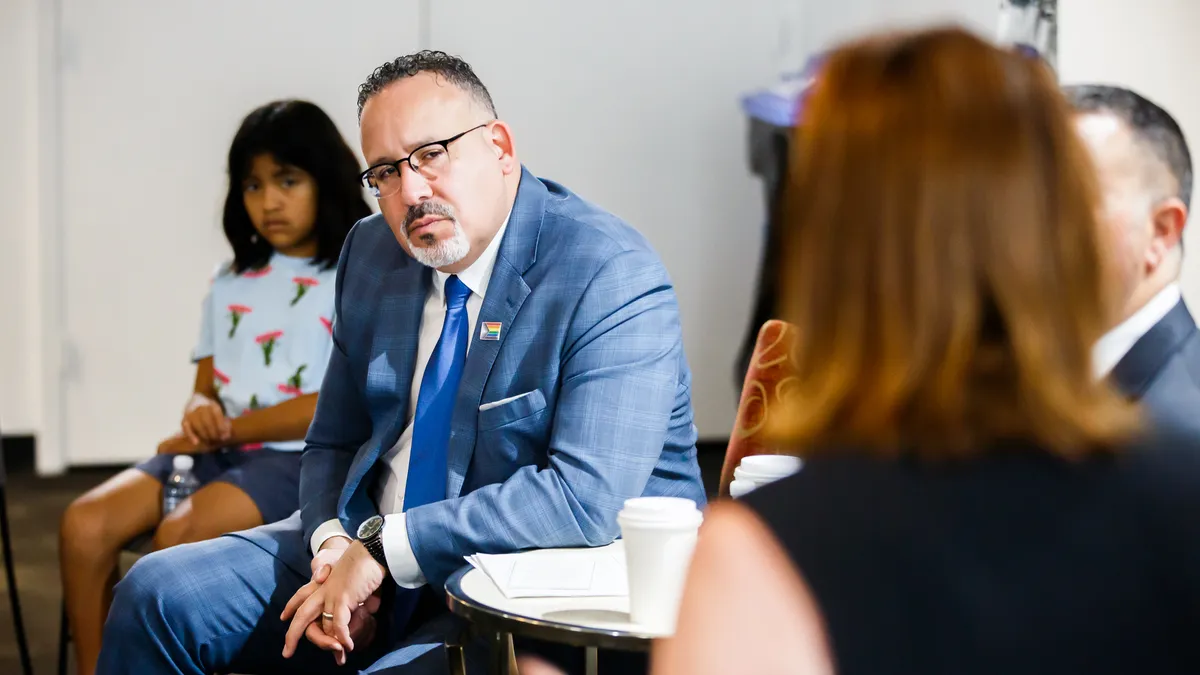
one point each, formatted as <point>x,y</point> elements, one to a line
<point>180,484</point>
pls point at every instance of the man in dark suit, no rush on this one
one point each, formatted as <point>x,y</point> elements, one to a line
<point>1145,175</point>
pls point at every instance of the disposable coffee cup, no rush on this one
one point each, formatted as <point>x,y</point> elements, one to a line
<point>660,536</point>
<point>767,468</point>
<point>741,487</point>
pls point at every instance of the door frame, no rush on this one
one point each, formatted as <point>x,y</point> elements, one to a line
<point>50,454</point>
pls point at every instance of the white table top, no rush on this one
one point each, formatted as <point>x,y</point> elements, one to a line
<point>608,616</point>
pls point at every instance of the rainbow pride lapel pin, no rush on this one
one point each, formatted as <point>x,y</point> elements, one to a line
<point>490,330</point>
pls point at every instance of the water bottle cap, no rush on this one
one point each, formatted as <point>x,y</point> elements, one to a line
<point>182,462</point>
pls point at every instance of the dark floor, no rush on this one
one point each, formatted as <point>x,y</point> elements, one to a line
<point>35,506</point>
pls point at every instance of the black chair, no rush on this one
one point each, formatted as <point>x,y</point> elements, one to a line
<point>140,545</point>
<point>9,570</point>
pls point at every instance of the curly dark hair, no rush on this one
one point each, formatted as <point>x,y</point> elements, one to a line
<point>300,134</point>
<point>450,68</point>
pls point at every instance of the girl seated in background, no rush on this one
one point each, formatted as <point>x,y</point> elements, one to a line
<point>265,337</point>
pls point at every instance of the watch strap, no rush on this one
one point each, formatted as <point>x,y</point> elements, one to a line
<point>374,546</point>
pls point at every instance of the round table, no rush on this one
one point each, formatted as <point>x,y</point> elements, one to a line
<point>589,622</point>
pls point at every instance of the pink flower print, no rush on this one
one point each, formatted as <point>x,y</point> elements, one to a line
<point>328,325</point>
<point>302,286</point>
<point>293,386</point>
<point>257,274</point>
<point>267,342</point>
<point>219,380</point>
<point>236,312</point>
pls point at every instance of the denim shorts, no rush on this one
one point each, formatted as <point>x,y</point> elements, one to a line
<point>270,477</point>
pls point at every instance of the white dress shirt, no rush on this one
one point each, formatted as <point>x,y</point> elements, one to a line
<point>389,490</point>
<point>1110,349</point>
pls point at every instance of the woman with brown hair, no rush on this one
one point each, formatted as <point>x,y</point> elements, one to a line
<point>973,499</point>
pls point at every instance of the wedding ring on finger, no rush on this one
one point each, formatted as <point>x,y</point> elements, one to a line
<point>327,615</point>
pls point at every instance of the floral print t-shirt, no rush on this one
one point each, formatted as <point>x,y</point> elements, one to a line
<point>269,333</point>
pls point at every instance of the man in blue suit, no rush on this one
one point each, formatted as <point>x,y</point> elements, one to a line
<point>1145,171</point>
<point>507,370</point>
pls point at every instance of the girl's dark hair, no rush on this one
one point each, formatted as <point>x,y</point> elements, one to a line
<point>300,134</point>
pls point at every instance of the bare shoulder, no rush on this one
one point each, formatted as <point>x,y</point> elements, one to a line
<point>736,525</point>
<point>746,608</point>
<point>737,545</point>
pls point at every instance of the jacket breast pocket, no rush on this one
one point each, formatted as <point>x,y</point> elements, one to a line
<point>518,408</point>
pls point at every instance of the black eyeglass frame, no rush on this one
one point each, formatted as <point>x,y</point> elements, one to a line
<point>444,143</point>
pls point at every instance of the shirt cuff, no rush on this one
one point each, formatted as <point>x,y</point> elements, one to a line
<point>328,529</point>
<point>398,552</point>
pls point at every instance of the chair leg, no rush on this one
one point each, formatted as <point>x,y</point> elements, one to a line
<point>64,640</point>
<point>11,575</point>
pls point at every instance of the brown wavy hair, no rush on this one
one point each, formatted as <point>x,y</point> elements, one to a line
<point>943,263</point>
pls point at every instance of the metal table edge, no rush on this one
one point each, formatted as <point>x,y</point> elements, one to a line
<point>499,620</point>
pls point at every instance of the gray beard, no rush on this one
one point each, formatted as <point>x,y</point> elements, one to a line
<point>443,253</point>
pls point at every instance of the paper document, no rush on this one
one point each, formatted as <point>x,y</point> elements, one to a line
<point>557,572</point>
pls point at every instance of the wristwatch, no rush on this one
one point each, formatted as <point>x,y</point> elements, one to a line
<point>370,533</point>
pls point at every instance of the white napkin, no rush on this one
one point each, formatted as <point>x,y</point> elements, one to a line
<point>557,572</point>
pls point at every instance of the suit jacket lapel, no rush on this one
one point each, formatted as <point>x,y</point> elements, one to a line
<point>506,293</point>
<point>396,336</point>
<point>1138,368</point>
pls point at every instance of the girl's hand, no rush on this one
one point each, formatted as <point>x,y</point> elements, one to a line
<point>181,445</point>
<point>205,423</point>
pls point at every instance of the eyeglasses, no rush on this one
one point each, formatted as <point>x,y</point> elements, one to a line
<point>429,160</point>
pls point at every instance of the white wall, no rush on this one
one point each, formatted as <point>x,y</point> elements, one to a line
<point>827,22</point>
<point>632,103</point>
<point>638,112</point>
<point>20,355</point>
<point>151,94</point>
<point>1151,48</point>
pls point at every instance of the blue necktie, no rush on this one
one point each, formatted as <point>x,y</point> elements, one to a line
<point>427,469</point>
<point>435,403</point>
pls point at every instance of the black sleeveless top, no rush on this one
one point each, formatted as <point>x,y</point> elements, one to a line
<point>1014,562</point>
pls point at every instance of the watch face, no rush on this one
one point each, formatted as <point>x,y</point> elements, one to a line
<point>370,527</point>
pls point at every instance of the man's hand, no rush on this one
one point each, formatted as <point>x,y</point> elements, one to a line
<point>204,422</point>
<point>327,556</point>
<point>362,627</point>
<point>182,445</point>
<point>351,586</point>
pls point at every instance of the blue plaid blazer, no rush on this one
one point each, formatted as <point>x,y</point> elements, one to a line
<point>590,330</point>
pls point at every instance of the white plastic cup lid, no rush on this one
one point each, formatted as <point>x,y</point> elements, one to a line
<point>658,505</point>
<point>770,466</point>
<point>665,510</point>
<point>183,462</point>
